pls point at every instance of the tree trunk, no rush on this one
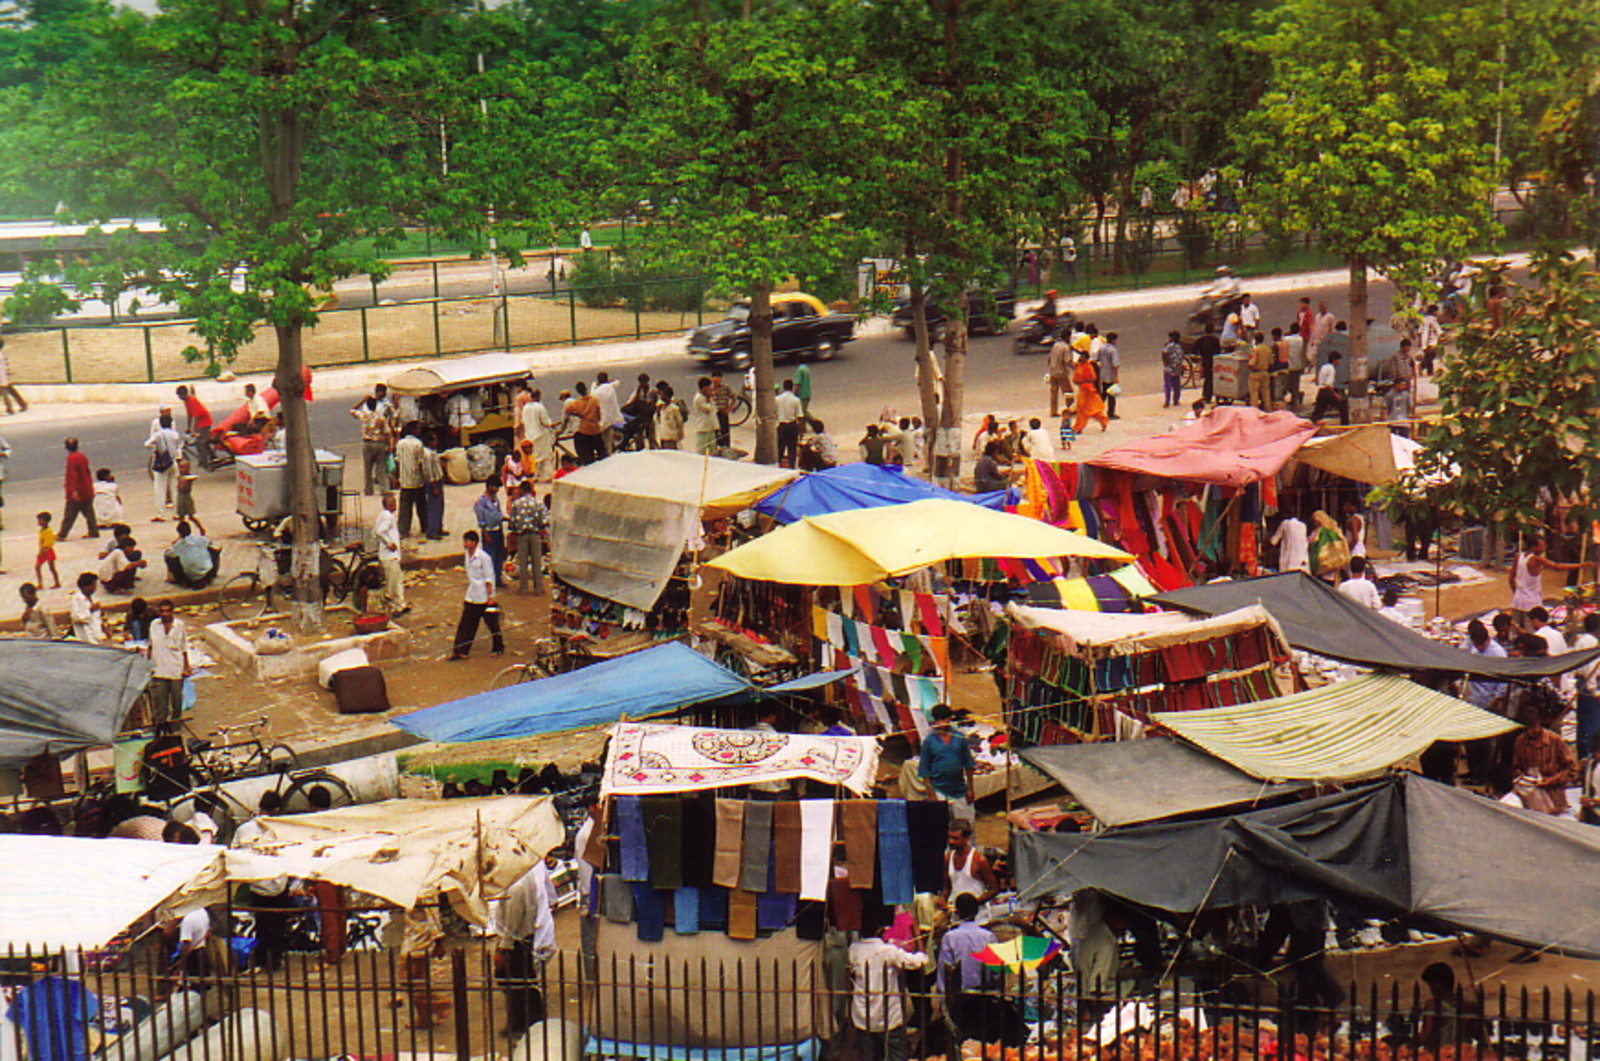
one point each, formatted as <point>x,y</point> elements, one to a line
<point>305,565</point>
<point>927,370</point>
<point>766,401</point>
<point>955,392</point>
<point>1358,327</point>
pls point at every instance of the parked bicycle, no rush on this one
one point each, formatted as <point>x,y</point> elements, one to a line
<point>267,588</point>
<point>551,656</point>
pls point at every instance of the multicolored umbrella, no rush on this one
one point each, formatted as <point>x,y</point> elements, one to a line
<point>1022,953</point>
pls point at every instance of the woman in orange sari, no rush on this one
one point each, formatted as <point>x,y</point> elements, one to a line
<point>1090,405</point>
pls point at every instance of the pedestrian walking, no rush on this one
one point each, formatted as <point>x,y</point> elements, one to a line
<point>1258,383</point>
<point>1429,334</point>
<point>433,490</point>
<point>791,413</point>
<point>8,390</point>
<point>605,392</point>
<point>168,650</point>
<point>1328,396</point>
<point>539,429</point>
<point>478,604</point>
<point>1172,371</point>
<point>1088,404</point>
<point>1069,259</point>
<point>79,489</point>
<point>386,529</point>
<point>491,527</point>
<point>166,449</point>
<point>669,417</point>
<point>1058,372</point>
<point>705,421</point>
<point>46,554</point>
<point>528,520</point>
<point>583,412</point>
<point>409,477</point>
<point>722,399</point>
<point>376,441</point>
<point>802,386</point>
<point>1110,365</point>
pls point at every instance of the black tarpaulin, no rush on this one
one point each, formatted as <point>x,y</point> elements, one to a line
<point>1404,846</point>
<point>1317,618</point>
<point>1123,782</point>
<point>60,696</point>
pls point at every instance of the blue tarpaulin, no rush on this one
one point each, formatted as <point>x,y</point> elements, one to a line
<point>859,485</point>
<point>639,685</point>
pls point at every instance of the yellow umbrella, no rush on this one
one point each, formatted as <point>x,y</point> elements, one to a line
<point>866,545</point>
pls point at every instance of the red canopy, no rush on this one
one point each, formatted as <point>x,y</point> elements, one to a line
<point>1232,445</point>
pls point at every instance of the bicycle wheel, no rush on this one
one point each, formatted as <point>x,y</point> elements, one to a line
<point>280,759</point>
<point>316,790</point>
<point>739,411</point>
<point>516,674</point>
<point>335,581</point>
<point>243,597</point>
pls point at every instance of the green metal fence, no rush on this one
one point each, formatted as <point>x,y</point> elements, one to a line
<point>389,329</point>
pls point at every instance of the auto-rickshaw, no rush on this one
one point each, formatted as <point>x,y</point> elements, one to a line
<point>486,385</point>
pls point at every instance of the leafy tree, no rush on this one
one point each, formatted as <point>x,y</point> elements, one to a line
<point>1371,136</point>
<point>266,135</point>
<point>976,135</point>
<point>733,131</point>
<point>1520,400</point>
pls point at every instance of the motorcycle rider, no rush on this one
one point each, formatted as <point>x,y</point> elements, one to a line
<point>1048,314</point>
<point>1224,288</point>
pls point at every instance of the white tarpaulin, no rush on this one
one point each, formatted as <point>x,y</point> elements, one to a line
<point>621,524</point>
<point>1116,631</point>
<point>647,758</point>
<point>64,892</point>
<point>403,850</point>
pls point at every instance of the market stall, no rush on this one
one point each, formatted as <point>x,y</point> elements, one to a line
<point>875,591</point>
<point>1193,499</point>
<point>1404,847</point>
<point>860,485</point>
<point>1075,675</point>
<point>1316,618</point>
<point>626,533</point>
<point>707,886</point>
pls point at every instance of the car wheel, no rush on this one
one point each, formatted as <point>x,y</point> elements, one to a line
<point>825,350</point>
<point>740,358</point>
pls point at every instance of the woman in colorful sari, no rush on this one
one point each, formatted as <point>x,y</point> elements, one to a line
<point>1090,405</point>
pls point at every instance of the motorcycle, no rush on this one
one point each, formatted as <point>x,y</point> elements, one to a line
<point>1214,311</point>
<point>206,454</point>
<point>1038,333</point>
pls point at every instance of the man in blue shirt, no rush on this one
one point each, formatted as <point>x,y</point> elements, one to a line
<point>946,764</point>
<point>55,1014</point>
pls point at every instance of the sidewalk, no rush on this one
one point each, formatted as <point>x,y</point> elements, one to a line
<point>65,401</point>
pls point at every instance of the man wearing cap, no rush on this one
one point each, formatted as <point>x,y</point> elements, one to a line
<point>946,763</point>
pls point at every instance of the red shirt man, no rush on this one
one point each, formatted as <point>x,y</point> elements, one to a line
<point>79,483</point>
<point>200,422</point>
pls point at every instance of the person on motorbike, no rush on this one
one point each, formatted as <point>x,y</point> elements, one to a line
<point>1048,315</point>
<point>1225,287</point>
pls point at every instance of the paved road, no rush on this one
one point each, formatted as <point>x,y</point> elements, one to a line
<point>869,374</point>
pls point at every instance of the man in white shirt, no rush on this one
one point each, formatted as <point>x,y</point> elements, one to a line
<point>876,1006</point>
<point>1539,619</point>
<point>1328,396</point>
<point>526,925</point>
<point>1249,314</point>
<point>1037,442</point>
<point>166,450</point>
<point>386,529</point>
<point>169,664</point>
<point>87,625</point>
<point>1358,587</point>
<point>791,411</point>
<point>605,392</point>
<point>188,940</point>
<point>458,411</point>
<point>1391,607</point>
<point>256,404</point>
<point>478,605</point>
<point>1290,538</point>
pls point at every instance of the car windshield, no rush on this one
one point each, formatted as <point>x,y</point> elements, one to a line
<point>739,312</point>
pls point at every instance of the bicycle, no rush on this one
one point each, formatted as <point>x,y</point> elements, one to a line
<point>551,656</point>
<point>233,751</point>
<point>264,590</point>
<point>298,792</point>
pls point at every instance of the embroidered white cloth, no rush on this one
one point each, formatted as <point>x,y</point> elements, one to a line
<point>646,758</point>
